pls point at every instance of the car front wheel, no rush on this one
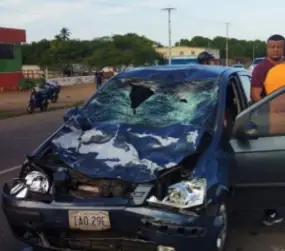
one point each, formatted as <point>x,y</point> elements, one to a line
<point>222,236</point>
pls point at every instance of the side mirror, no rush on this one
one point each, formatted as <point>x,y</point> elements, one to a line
<point>69,113</point>
<point>247,131</point>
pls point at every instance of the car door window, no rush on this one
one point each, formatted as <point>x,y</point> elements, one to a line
<point>270,117</point>
<point>246,83</point>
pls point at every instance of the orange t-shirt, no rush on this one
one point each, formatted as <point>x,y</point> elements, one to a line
<point>275,78</point>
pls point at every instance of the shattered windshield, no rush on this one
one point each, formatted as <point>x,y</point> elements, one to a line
<point>154,103</point>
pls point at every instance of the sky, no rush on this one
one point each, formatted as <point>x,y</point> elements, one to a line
<point>88,19</point>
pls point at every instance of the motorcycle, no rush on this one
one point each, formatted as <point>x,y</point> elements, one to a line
<point>53,90</point>
<point>38,99</point>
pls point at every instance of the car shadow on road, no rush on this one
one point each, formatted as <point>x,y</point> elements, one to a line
<point>247,233</point>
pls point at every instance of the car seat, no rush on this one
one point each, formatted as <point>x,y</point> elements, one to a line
<point>230,112</point>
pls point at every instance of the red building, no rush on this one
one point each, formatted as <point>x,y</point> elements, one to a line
<point>11,58</point>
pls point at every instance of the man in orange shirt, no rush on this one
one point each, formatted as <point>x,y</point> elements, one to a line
<point>275,53</point>
<point>275,78</point>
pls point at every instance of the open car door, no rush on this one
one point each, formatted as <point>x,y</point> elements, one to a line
<point>259,145</point>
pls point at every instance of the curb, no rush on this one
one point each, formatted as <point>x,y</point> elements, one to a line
<point>6,115</point>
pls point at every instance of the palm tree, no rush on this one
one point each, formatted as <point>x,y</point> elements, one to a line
<point>64,34</point>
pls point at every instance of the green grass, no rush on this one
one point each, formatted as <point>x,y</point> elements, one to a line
<point>11,114</point>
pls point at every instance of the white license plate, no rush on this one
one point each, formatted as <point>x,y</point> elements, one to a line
<point>89,220</point>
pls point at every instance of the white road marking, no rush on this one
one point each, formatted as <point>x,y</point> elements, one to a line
<point>8,170</point>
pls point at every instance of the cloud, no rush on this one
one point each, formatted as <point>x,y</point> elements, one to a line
<point>19,13</point>
<point>92,18</point>
<point>87,19</point>
<point>22,12</point>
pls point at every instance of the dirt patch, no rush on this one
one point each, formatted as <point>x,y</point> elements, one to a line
<point>15,103</point>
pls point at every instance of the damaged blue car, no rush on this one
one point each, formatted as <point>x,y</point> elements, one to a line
<point>145,164</point>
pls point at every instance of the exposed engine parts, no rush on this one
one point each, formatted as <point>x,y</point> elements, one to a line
<point>104,188</point>
<point>80,186</point>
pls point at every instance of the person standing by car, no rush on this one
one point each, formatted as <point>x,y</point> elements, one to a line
<point>275,53</point>
<point>205,58</point>
<point>99,78</point>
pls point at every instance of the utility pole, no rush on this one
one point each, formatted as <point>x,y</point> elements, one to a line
<point>169,32</point>
<point>227,44</point>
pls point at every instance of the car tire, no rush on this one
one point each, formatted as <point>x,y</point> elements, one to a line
<point>30,109</point>
<point>38,249</point>
<point>222,237</point>
<point>54,99</point>
<point>44,106</point>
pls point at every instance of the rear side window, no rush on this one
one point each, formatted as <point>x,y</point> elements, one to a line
<point>246,83</point>
<point>257,61</point>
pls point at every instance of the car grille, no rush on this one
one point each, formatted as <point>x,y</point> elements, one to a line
<point>91,241</point>
<point>112,244</point>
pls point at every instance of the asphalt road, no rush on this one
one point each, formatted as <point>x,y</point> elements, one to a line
<point>19,136</point>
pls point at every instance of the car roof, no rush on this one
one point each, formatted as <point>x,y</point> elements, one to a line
<point>179,72</point>
<point>260,58</point>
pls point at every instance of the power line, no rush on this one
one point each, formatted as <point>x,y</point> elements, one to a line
<point>169,10</point>
<point>227,43</point>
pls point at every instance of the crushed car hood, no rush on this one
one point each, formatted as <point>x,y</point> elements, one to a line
<point>129,152</point>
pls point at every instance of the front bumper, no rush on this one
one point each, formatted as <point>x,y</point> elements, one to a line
<point>133,228</point>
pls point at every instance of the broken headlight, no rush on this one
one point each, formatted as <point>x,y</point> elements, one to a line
<point>34,181</point>
<point>185,194</point>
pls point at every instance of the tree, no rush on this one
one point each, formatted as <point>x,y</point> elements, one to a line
<point>123,50</point>
<point>129,49</point>
<point>64,34</point>
<point>237,48</point>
